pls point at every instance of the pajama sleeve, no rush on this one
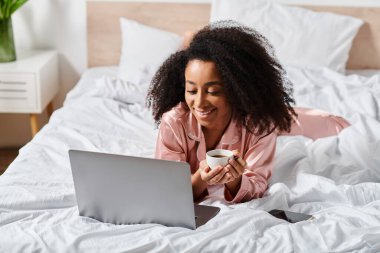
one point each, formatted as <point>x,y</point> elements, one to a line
<point>169,144</point>
<point>259,157</point>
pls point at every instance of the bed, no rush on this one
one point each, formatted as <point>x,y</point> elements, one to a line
<point>336,179</point>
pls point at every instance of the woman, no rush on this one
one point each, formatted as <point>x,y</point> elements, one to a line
<point>226,90</point>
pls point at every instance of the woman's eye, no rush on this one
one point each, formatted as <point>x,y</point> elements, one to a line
<point>191,91</point>
<point>213,92</point>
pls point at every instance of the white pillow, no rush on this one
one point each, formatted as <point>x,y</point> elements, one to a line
<point>300,37</point>
<point>119,90</point>
<point>144,46</point>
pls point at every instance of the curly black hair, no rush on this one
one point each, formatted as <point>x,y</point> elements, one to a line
<point>256,85</point>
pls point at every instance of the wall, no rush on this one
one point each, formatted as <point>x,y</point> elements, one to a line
<point>48,24</point>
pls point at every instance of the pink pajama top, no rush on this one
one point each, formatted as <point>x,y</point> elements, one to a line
<point>180,138</point>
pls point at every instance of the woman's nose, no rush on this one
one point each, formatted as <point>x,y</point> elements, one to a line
<point>199,99</point>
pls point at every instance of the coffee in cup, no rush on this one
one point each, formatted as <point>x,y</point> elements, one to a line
<point>218,157</point>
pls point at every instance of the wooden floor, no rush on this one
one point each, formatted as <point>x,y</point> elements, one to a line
<point>7,155</point>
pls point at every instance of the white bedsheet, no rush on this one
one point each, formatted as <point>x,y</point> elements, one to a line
<point>336,179</point>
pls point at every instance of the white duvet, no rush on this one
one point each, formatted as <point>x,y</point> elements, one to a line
<point>335,179</point>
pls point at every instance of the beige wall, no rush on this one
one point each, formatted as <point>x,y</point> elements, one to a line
<point>15,129</point>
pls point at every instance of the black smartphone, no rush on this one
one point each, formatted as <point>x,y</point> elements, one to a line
<point>290,216</point>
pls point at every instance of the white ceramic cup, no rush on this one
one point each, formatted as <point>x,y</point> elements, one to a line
<point>218,157</point>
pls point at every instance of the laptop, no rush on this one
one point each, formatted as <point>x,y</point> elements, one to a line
<point>122,189</point>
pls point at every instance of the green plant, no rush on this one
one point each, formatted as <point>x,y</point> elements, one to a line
<point>7,7</point>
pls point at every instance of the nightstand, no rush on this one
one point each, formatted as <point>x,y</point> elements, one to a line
<point>29,84</point>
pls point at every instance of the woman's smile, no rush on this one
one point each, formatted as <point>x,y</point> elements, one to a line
<point>204,114</point>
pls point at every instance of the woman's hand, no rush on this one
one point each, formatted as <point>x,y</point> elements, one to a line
<point>236,165</point>
<point>219,175</point>
<point>236,168</point>
<point>223,175</point>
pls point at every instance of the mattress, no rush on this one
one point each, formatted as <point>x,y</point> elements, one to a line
<point>336,179</point>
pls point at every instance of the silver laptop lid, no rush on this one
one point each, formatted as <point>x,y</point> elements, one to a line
<point>128,190</point>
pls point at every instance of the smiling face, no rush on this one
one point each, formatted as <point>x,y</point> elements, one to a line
<point>205,95</point>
